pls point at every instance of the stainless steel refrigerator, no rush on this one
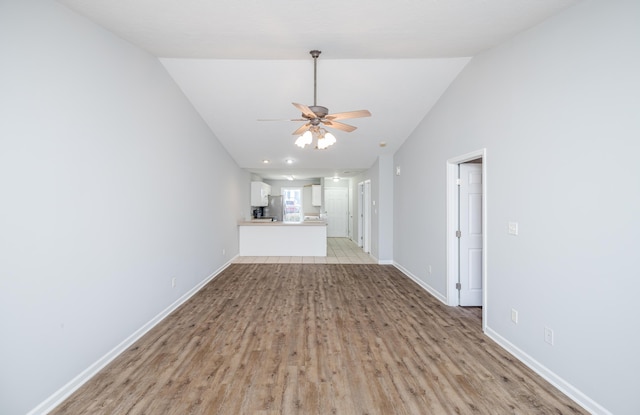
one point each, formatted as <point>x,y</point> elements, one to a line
<point>274,209</point>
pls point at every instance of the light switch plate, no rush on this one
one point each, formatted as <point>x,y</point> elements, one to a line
<point>548,335</point>
<point>513,228</point>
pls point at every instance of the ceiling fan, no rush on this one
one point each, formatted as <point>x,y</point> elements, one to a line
<point>316,114</point>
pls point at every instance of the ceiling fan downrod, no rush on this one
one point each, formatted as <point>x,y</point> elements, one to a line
<point>314,55</point>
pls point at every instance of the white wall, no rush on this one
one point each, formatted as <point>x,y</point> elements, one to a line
<point>382,207</point>
<point>111,185</point>
<point>557,110</point>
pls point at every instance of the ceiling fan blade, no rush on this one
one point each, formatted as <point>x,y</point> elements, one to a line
<point>281,119</point>
<point>349,114</point>
<point>305,110</point>
<point>339,126</point>
<point>302,129</point>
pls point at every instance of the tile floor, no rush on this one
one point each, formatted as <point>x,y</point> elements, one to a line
<point>339,251</point>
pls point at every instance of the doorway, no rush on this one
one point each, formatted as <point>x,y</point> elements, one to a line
<point>336,200</point>
<point>470,236</point>
<point>467,231</point>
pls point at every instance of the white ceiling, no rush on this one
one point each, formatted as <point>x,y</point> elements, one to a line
<point>242,60</point>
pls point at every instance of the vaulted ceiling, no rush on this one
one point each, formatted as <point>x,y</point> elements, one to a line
<point>242,61</point>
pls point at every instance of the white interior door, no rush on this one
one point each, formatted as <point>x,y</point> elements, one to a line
<point>470,240</point>
<point>336,202</point>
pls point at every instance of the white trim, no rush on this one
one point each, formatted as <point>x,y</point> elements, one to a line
<point>350,215</point>
<point>360,232</point>
<point>385,262</point>
<point>452,223</point>
<point>64,392</point>
<point>422,284</point>
<point>59,396</point>
<point>366,243</point>
<point>562,385</point>
<point>451,247</point>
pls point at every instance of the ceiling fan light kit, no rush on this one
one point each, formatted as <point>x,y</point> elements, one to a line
<point>323,138</point>
<point>316,115</point>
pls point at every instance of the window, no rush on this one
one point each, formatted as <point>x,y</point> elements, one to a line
<point>292,204</point>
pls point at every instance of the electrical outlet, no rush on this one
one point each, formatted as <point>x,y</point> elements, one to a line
<point>513,228</point>
<point>430,270</point>
<point>173,282</point>
<point>514,315</point>
<point>548,335</point>
<point>224,252</point>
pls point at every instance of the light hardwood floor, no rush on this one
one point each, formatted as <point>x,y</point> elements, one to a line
<point>316,339</point>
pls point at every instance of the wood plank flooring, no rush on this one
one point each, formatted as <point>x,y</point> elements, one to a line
<point>316,339</point>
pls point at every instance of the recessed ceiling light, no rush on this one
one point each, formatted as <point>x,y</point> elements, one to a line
<point>289,161</point>
<point>383,144</point>
<point>265,161</point>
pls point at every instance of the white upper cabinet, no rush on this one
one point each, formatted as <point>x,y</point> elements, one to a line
<point>260,194</point>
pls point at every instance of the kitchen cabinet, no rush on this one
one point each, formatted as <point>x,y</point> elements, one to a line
<point>260,193</point>
<point>305,239</point>
<point>316,195</point>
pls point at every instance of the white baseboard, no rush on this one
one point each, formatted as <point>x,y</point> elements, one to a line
<point>563,386</point>
<point>63,393</point>
<point>422,284</point>
<point>385,262</point>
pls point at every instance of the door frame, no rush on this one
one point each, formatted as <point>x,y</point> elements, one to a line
<point>469,240</point>
<point>360,233</point>
<point>367,217</point>
<point>350,230</point>
<point>452,227</point>
<point>364,213</point>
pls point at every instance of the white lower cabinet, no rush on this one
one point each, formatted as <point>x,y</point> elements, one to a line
<point>279,239</point>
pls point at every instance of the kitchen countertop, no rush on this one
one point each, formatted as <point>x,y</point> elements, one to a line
<point>278,223</point>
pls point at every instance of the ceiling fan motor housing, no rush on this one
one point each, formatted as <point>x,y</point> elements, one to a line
<point>320,112</point>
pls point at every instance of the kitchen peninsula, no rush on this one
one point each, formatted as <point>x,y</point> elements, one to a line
<point>258,238</point>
